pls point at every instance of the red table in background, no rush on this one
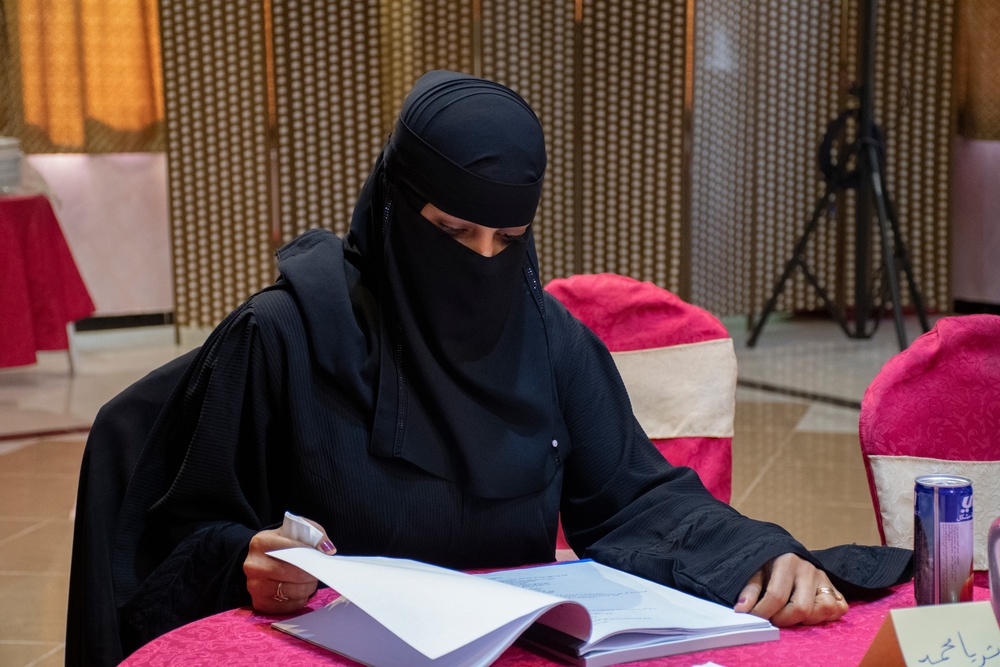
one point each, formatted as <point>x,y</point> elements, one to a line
<point>40,286</point>
<point>240,637</point>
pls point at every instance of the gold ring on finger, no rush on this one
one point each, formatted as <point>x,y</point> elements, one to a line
<point>826,589</point>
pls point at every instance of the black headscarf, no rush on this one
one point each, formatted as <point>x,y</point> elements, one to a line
<point>466,389</point>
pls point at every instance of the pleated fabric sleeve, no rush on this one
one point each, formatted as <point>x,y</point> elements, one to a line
<point>113,447</point>
<point>200,490</point>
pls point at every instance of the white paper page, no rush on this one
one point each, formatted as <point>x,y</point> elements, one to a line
<point>619,602</point>
<point>345,628</point>
<point>433,609</point>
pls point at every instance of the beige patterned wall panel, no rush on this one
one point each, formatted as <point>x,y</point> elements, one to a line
<point>632,136</point>
<point>610,91</point>
<point>216,108</point>
<point>914,92</point>
<point>328,112</point>
<point>768,80</point>
<point>722,198</point>
<point>340,77</point>
<point>762,99</point>
<point>796,97</point>
<point>915,88</point>
<point>420,35</point>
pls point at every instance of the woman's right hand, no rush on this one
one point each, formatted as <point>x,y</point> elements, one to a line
<point>277,587</point>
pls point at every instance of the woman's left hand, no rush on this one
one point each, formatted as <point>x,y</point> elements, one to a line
<point>788,591</point>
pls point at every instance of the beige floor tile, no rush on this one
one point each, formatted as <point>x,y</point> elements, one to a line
<point>9,527</point>
<point>761,432</point>
<point>54,658</point>
<point>818,491</point>
<point>42,495</point>
<point>43,547</point>
<point>813,354</point>
<point>35,654</point>
<point>17,420</point>
<point>41,612</point>
<point>45,396</point>
<point>50,458</point>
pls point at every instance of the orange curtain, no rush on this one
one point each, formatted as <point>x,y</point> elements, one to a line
<point>978,76</point>
<point>89,74</point>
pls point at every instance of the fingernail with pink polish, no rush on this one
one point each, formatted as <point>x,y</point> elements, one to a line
<point>741,601</point>
<point>326,546</point>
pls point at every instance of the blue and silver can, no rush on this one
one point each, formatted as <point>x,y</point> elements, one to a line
<point>942,539</point>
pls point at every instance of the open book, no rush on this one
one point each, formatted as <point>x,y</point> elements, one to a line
<point>395,612</point>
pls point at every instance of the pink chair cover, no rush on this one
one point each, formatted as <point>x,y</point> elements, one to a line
<point>627,314</point>
<point>939,398</point>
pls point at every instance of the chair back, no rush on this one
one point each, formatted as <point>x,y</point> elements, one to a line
<point>678,364</point>
<point>935,408</point>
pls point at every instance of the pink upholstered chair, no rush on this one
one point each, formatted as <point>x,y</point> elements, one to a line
<point>678,364</point>
<point>935,408</point>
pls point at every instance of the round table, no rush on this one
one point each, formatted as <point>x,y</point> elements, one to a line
<point>241,637</point>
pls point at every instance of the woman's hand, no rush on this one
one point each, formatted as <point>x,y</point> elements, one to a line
<point>794,592</point>
<point>275,586</point>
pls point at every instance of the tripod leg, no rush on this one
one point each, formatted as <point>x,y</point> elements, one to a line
<point>888,256</point>
<point>904,260</point>
<point>831,307</point>
<point>797,258</point>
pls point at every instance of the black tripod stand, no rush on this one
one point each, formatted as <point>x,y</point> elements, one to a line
<point>867,152</point>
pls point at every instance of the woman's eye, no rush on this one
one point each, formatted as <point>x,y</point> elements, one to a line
<point>511,238</point>
<point>451,231</point>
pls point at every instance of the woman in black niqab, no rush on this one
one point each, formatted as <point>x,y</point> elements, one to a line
<point>465,389</point>
<point>416,399</point>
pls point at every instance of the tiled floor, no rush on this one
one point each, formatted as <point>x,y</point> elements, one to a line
<point>796,459</point>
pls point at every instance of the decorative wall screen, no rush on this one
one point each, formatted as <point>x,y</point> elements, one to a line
<point>915,88</point>
<point>340,75</point>
<point>328,112</point>
<point>769,77</point>
<point>419,35</point>
<point>215,100</point>
<point>611,81</point>
<point>763,94</point>
<point>632,140</point>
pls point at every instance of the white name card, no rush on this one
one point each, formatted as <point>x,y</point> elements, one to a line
<point>950,635</point>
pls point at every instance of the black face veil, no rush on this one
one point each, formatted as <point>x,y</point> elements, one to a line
<point>466,389</point>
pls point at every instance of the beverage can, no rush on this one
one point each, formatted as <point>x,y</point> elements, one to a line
<point>942,539</point>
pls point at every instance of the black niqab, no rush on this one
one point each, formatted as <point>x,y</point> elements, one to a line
<point>466,389</point>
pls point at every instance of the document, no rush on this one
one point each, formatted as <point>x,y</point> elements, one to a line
<point>397,612</point>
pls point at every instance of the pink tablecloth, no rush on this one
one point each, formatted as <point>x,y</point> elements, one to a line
<point>40,287</point>
<point>240,637</point>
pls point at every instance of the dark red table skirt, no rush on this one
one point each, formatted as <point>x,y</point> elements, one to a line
<point>41,290</point>
<point>240,637</point>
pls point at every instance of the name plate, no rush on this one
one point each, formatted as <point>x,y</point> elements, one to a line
<point>964,633</point>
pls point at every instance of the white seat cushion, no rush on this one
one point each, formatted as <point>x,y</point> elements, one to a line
<point>684,390</point>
